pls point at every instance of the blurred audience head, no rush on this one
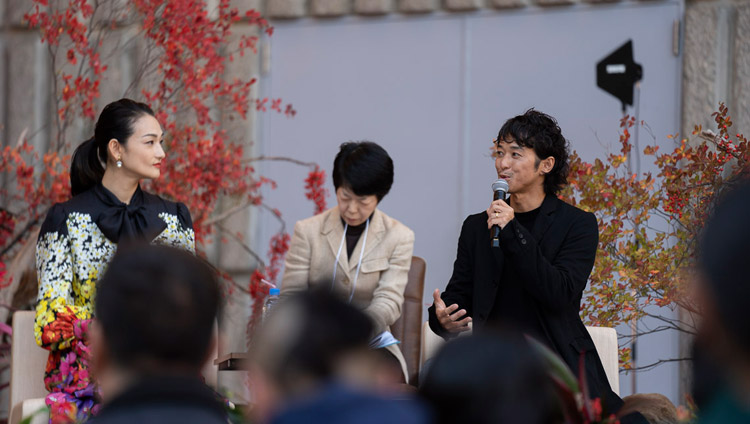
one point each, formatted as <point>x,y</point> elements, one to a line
<point>723,285</point>
<point>311,362</point>
<point>309,339</point>
<point>655,407</point>
<point>155,311</point>
<point>364,168</point>
<point>490,378</point>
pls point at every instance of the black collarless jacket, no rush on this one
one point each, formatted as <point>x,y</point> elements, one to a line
<point>552,261</point>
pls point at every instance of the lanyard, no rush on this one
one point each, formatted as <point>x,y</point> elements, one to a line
<point>359,263</point>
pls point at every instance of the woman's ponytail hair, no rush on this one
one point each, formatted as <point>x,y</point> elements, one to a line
<point>86,168</point>
<point>89,159</point>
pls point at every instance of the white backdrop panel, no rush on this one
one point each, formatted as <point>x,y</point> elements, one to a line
<point>435,90</point>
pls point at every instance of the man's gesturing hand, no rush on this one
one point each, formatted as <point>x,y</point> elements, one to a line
<point>449,317</point>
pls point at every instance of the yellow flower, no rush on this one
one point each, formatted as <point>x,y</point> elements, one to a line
<point>63,288</point>
<point>82,313</point>
<point>41,307</point>
<point>38,334</point>
<point>87,289</point>
<point>49,317</point>
<point>57,303</point>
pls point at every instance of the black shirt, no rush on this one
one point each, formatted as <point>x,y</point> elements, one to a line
<point>353,233</point>
<point>513,308</point>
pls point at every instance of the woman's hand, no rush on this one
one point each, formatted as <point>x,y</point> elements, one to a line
<point>499,213</point>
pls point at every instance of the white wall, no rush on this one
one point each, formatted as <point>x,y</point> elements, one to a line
<point>435,90</point>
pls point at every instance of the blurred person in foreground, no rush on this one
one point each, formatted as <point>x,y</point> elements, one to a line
<point>310,363</point>
<point>488,379</point>
<point>723,288</point>
<point>354,249</point>
<point>534,280</point>
<point>156,308</point>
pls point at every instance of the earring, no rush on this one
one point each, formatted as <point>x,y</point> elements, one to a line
<point>119,163</point>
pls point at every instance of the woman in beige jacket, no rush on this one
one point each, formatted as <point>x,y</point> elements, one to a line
<point>358,251</point>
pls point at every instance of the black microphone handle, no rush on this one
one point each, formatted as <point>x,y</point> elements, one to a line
<point>495,233</point>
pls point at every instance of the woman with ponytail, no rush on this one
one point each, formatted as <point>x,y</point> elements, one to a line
<point>79,237</point>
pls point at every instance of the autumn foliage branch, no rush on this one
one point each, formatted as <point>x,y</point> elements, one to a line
<point>182,73</point>
<point>649,223</point>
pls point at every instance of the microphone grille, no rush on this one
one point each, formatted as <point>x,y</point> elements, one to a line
<point>500,185</point>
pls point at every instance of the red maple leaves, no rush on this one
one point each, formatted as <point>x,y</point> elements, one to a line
<point>186,47</point>
<point>315,189</point>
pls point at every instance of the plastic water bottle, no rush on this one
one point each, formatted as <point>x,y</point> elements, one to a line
<point>271,299</point>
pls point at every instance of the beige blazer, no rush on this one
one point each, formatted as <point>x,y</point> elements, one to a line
<point>379,290</point>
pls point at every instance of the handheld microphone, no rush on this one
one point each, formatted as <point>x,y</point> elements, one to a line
<point>499,189</point>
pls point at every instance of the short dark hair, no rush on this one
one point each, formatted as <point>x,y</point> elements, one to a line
<point>156,306</point>
<point>722,259</point>
<point>115,121</point>
<point>490,378</point>
<point>540,132</point>
<point>306,336</point>
<point>364,167</point>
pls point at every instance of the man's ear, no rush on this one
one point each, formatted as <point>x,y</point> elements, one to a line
<point>546,165</point>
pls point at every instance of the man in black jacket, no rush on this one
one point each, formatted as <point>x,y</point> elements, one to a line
<point>534,280</point>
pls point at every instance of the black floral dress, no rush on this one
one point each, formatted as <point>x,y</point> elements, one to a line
<point>76,242</point>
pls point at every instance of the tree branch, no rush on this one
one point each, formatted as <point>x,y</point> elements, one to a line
<point>236,284</point>
<point>671,323</point>
<point>228,213</point>
<point>20,235</point>
<point>278,217</point>
<point>280,159</point>
<point>643,333</point>
<point>245,247</point>
<point>656,364</point>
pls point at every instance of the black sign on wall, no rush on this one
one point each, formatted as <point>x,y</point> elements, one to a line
<point>617,73</point>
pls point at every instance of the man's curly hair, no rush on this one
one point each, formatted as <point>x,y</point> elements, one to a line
<point>540,132</point>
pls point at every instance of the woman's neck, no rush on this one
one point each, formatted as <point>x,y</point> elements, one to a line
<point>121,186</point>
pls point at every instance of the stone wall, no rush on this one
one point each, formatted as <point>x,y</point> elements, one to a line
<point>325,9</point>
<point>716,62</point>
<point>716,68</point>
